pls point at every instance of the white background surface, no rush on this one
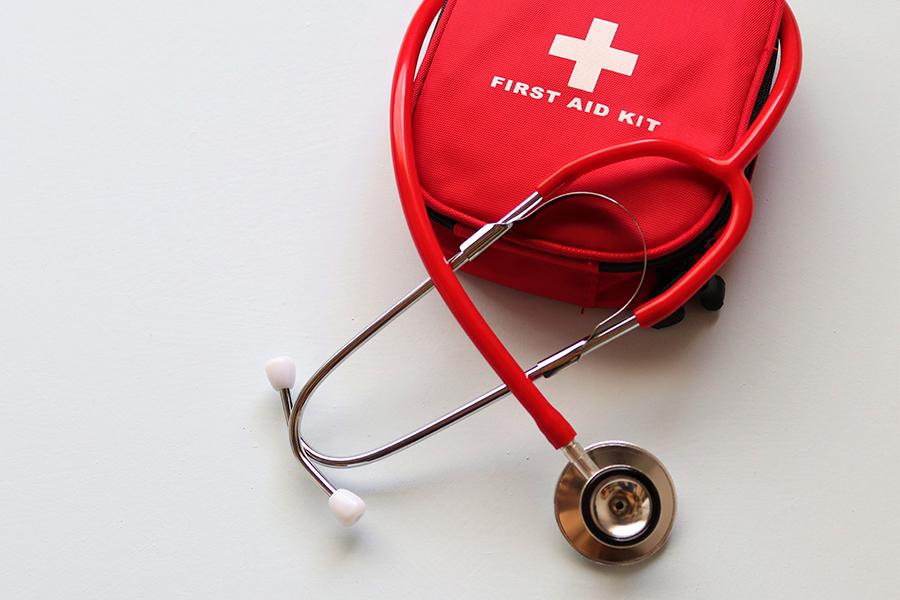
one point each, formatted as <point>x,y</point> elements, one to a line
<point>189,188</point>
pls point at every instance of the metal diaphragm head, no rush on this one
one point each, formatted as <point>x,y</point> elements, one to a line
<point>624,512</point>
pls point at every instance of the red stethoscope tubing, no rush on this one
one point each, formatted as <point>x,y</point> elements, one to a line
<point>729,170</point>
<point>551,423</point>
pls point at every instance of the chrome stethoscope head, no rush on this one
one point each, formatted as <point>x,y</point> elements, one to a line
<point>614,503</point>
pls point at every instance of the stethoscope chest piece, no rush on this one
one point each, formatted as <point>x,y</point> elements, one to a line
<point>624,512</point>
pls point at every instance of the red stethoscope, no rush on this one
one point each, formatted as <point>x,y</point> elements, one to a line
<point>615,502</point>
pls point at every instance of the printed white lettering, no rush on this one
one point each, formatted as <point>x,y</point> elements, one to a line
<point>585,105</point>
<point>626,117</point>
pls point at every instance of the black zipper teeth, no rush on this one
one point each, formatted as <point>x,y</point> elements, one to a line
<point>684,252</point>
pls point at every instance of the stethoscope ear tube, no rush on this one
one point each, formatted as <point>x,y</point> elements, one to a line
<point>281,371</point>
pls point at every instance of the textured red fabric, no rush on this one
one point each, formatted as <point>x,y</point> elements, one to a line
<point>482,149</point>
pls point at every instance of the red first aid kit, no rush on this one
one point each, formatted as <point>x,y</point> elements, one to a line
<point>510,90</point>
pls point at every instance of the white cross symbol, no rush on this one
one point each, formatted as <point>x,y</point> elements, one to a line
<point>593,54</point>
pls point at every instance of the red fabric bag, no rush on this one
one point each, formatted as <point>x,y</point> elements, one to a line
<point>509,90</point>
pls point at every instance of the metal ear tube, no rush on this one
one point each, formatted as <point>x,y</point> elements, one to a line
<point>348,508</point>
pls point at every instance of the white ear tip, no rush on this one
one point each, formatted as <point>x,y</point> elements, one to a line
<point>346,506</point>
<point>282,372</point>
